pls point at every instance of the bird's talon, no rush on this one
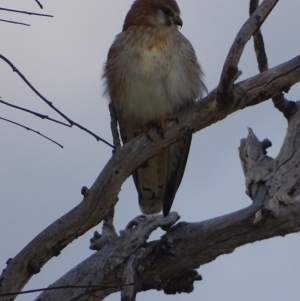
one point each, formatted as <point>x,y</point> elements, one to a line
<point>162,121</point>
<point>144,130</point>
<point>161,124</point>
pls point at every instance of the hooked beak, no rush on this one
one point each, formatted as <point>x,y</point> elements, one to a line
<point>178,21</point>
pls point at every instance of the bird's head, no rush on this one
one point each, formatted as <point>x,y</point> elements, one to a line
<point>153,13</point>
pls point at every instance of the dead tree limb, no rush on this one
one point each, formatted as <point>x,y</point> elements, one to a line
<point>169,263</point>
<point>225,87</point>
<point>103,194</point>
<point>280,102</point>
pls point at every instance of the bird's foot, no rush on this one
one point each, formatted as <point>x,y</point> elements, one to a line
<point>161,124</point>
<point>162,121</point>
<point>144,130</point>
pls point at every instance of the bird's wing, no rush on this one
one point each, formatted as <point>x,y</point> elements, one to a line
<point>151,176</point>
<point>177,158</point>
<point>150,181</point>
<point>158,179</point>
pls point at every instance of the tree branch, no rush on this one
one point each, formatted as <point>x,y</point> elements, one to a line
<point>25,12</point>
<point>123,247</point>
<point>186,246</point>
<point>31,130</point>
<point>50,104</point>
<point>39,4</point>
<point>103,194</point>
<point>280,102</point>
<point>34,113</point>
<point>130,276</point>
<point>14,22</point>
<point>225,87</point>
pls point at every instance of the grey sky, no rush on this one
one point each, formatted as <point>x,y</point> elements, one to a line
<point>62,57</point>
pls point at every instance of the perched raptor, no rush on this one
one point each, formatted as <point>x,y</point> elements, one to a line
<point>151,73</point>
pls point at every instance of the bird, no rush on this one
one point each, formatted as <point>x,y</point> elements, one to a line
<point>151,73</point>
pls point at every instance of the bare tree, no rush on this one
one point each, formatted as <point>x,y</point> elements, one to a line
<point>127,262</point>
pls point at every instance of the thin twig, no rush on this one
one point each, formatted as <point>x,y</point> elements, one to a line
<point>44,289</point>
<point>259,46</point>
<point>94,287</point>
<point>224,91</point>
<point>49,103</point>
<point>29,129</point>
<point>39,4</point>
<point>285,106</point>
<point>25,12</point>
<point>14,22</point>
<point>34,113</point>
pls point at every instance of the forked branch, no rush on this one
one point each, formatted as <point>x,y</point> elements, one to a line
<point>225,87</point>
<point>169,263</point>
<point>50,104</point>
<point>280,102</point>
<point>103,194</point>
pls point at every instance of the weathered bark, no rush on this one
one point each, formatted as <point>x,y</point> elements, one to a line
<point>103,194</point>
<point>272,184</point>
<point>280,103</point>
<point>169,263</point>
<point>225,87</point>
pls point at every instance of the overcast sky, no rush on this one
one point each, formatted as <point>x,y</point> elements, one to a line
<point>63,57</point>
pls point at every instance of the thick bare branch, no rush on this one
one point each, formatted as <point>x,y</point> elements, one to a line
<point>130,276</point>
<point>128,243</point>
<point>103,194</point>
<point>186,246</point>
<point>225,87</point>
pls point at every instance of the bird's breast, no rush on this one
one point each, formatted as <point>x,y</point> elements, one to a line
<point>153,78</point>
<point>158,46</point>
<point>154,84</point>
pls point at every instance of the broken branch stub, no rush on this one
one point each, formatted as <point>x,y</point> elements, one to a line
<point>281,176</point>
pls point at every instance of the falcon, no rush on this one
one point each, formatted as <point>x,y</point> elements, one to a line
<point>150,74</point>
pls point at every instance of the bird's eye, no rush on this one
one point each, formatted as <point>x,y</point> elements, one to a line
<point>167,11</point>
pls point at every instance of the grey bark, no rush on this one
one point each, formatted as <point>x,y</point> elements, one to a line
<point>271,184</point>
<point>102,196</point>
<point>169,263</point>
<point>225,87</point>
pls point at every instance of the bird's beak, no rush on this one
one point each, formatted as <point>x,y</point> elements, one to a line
<point>178,21</point>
